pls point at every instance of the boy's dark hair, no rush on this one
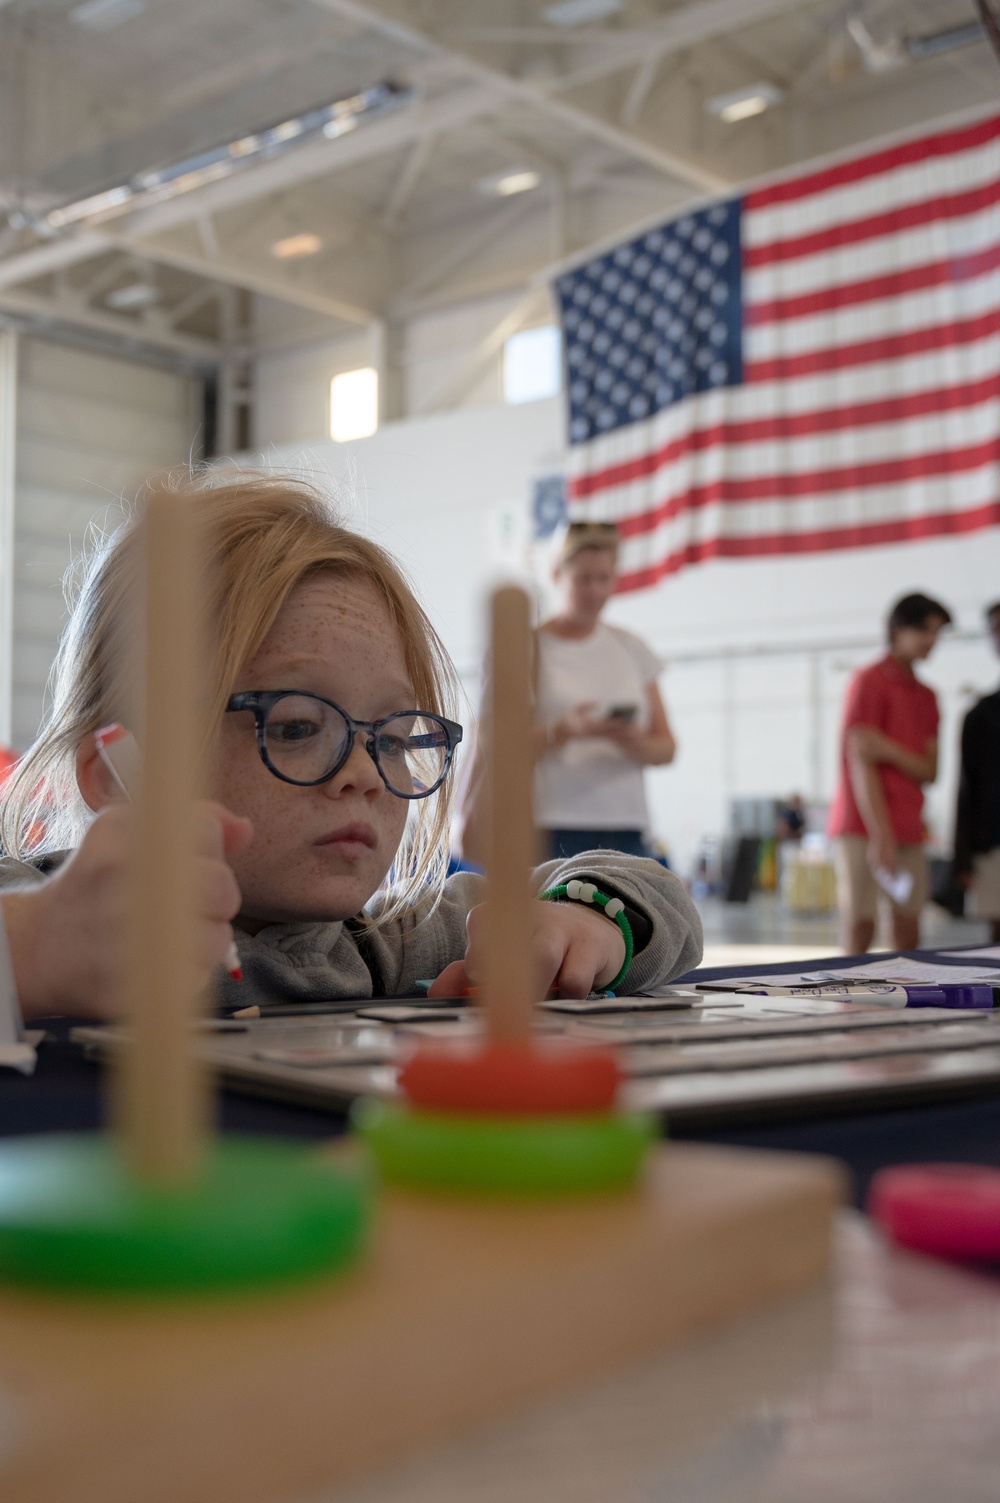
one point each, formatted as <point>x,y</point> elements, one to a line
<point>916,610</point>
<point>992,610</point>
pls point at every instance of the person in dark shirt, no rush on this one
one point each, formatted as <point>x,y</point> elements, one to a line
<point>977,819</point>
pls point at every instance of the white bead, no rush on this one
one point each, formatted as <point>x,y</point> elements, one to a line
<point>615,907</point>
<point>573,889</point>
<point>587,892</point>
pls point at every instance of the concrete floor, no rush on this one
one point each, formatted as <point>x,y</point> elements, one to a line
<point>762,931</point>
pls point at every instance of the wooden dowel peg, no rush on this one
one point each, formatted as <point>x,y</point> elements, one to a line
<point>508,991</point>
<point>163,1092</point>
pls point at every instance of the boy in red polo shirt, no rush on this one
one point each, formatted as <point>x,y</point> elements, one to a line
<point>888,751</point>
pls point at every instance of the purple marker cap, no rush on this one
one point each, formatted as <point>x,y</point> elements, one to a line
<point>949,995</point>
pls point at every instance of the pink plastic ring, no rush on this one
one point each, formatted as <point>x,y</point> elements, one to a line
<point>950,1210</point>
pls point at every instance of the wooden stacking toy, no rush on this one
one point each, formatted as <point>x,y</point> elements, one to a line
<point>163,1204</point>
<point>469,1306</point>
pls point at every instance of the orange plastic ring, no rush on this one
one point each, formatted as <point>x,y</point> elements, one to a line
<point>519,1079</point>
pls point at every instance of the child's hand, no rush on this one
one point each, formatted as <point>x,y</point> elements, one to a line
<point>67,936</point>
<point>577,951</point>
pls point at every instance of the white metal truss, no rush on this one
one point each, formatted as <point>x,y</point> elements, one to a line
<point>527,92</point>
<point>584,106</point>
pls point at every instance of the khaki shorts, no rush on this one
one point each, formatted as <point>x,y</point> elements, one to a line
<point>857,889</point>
<point>985,890</point>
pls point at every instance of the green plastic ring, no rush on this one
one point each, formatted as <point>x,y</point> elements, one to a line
<point>505,1155</point>
<point>260,1211</point>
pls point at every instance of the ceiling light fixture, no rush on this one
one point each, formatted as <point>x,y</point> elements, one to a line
<point>579,12</point>
<point>506,184</point>
<point>132,296</point>
<point>105,15</point>
<point>517,182</point>
<point>159,184</point>
<point>743,103</point>
<point>294,247</point>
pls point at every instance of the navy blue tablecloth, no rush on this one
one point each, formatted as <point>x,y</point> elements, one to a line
<point>65,1095</point>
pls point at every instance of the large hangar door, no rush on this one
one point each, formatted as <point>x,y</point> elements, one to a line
<point>90,427</point>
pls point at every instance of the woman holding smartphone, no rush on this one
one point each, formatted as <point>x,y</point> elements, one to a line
<point>601,718</point>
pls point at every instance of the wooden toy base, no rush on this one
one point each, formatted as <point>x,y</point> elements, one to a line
<point>467,1309</point>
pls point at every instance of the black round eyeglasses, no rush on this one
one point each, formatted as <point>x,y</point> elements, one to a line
<point>305,739</point>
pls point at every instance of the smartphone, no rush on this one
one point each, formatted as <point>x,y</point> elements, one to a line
<point>623,712</point>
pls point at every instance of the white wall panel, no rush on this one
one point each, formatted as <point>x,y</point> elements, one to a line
<point>89,429</point>
<point>46,509</point>
<point>38,612</point>
<point>684,797</point>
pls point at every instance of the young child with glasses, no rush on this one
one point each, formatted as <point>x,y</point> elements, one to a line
<point>326,848</point>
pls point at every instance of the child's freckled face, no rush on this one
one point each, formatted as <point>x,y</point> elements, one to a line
<point>332,637</point>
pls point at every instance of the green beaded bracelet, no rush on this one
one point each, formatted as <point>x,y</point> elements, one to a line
<point>576,891</point>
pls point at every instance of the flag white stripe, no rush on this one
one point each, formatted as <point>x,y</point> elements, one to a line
<point>940,241</point>
<point>886,316</point>
<point>894,188</point>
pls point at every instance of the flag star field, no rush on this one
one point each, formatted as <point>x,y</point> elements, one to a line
<point>653,321</point>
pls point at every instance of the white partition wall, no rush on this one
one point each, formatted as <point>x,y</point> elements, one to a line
<point>89,429</point>
<point>8,428</point>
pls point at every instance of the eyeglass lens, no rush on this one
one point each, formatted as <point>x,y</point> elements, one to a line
<point>306,739</point>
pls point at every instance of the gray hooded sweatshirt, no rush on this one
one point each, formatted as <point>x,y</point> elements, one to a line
<point>315,962</point>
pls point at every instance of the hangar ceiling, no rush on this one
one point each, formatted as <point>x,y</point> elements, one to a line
<point>210,178</point>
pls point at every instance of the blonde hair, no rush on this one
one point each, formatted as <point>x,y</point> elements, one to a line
<point>265,534</point>
<point>581,537</point>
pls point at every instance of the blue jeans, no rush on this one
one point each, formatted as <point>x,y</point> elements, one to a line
<point>565,843</point>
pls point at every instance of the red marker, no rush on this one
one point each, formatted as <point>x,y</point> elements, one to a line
<point>117,749</point>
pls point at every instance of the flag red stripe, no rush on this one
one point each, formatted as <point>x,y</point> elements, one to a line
<point>945,143</point>
<point>866,351</point>
<point>890,222</point>
<point>859,536</point>
<point>733,491</point>
<point>788,426</point>
<point>869,289</point>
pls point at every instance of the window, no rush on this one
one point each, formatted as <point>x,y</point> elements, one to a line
<point>354,404</point>
<point>532,364</point>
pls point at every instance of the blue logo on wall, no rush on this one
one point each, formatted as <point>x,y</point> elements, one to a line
<point>548,505</point>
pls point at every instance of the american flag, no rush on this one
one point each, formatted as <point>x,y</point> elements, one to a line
<point>814,365</point>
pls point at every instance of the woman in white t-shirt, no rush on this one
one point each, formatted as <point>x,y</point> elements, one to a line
<point>600,719</point>
<point>600,715</point>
